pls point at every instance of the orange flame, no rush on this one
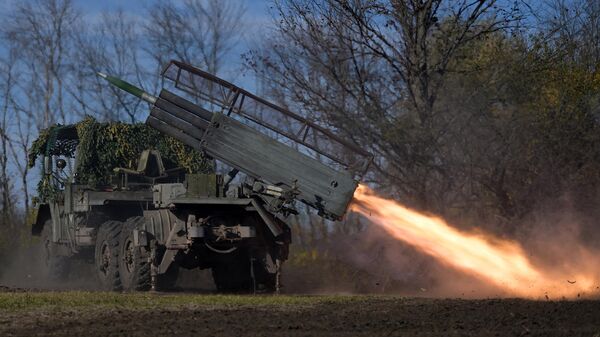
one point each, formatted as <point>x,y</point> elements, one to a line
<point>496,261</point>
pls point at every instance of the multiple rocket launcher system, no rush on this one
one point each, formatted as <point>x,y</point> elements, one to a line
<point>151,221</point>
<point>244,131</point>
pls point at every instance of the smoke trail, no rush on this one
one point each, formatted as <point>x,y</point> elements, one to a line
<point>499,262</point>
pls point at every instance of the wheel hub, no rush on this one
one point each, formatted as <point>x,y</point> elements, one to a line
<point>105,258</point>
<point>128,256</point>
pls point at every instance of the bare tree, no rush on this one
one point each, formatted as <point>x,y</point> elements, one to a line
<point>111,46</point>
<point>374,70</point>
<point>574,30</point>
<point>6,84</point>
<point>22,135</point>
<point>194,31</point>
<point>40,31</point>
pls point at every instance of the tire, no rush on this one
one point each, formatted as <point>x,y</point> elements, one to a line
<point>134,267</point>
<point>266,282</point>
<point>107,255</point>
<point>232,273</point>
<point>168,280</point>
<point>55,267</point>
<point>235,273</point>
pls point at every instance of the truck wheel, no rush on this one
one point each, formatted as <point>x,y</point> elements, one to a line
<point>265,282</point>
<point>55,268</point>
<point>232,273</point>
<point>107,255</point>
<point>134,267</point>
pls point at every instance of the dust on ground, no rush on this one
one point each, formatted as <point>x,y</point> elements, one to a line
<point>143,314</point>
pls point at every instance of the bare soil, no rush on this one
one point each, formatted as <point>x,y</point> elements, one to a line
<point>38,313</point>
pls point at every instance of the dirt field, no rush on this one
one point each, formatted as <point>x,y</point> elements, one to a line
<point>29,313</point>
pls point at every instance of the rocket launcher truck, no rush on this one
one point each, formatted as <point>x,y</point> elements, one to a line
<point>154,220</point>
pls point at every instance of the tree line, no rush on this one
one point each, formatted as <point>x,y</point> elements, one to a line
<point>483,111</point>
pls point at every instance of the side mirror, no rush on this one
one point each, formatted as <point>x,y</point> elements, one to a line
<point>61,164</point>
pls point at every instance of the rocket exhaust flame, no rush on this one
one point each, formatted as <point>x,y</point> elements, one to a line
<point>495,261</point>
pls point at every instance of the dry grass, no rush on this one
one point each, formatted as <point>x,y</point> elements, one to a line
<point>106,300</point>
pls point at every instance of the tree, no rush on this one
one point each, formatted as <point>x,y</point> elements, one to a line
<point>574,30</point>
<point>6,183</point>
<point>374,71</point>
<point>194,31</point>
<point>41,33</point>
<point>111,46</point>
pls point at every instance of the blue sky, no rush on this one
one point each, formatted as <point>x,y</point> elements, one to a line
<point>254,7</point>
<point>257,19</point>
<point>257,11</point>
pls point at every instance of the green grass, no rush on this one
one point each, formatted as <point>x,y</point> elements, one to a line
<point>107,300</point>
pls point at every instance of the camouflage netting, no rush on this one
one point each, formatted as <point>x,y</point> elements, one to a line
<point>104,146</point>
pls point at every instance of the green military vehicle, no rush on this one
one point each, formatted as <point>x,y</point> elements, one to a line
<point>142,201</point>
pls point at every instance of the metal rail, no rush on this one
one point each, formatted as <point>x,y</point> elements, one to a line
<point>233,99</point>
